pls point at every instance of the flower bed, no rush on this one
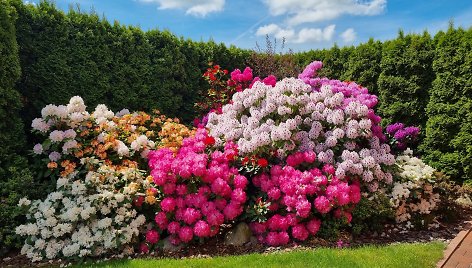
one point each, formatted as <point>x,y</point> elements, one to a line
<point>292,158</point>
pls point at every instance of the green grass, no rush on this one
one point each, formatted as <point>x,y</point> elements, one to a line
<point>398,255</point>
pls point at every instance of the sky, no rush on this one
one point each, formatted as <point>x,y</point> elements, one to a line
<point>303,24</point>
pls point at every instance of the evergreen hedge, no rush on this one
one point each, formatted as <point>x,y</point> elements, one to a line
<point>15,178</point>
<point>448,142</point>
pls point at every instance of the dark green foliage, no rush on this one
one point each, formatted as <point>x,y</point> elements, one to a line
<point>372,214</point>
<point>15,178</point>
<point>335,61</point>
<point>363,66</point>
<point>405,79</point>
<point>64,55</point>
<point>448,142</point>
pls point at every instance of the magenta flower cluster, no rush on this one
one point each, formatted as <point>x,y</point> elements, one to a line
<point>201,190</point>
<point>299,199</point>
<point>245,78</point>
<point>402,136</point>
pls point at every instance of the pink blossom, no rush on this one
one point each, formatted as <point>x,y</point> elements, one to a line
<point>300,232</point>
<point>303,207</point>
<point>191,215</point>
<point>232,210</point>
<point>322,204</point>
<point>313,226</point>
<point>185,234</point>
<point>274,194</point>
<point>143,248</point>
<point>238,196</point>
<point>201,229</point>
<point>220,203</point>
<point>329,169</point>
<point>173,227</point>
<point>168,204</point>
<point>258,228</point>
<point>181,189</point>
<point>169,188</point>
<point>277,223</point>
<point>152,236</point>
<point>215,218</point>
<point>240,182</point>
<point>161,220</point>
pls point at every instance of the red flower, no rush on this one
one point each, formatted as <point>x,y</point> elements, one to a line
<point>245,160</point>
<point>209,140</point>
<point>262,162</point>
<point>138,201</point>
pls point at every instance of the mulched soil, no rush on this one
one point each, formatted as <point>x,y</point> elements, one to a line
<point>216,247</point>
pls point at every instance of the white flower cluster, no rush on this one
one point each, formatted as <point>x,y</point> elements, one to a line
<point>83,218</point>
<point>413,195</point>
<point>292,117</point>
<point>414,168</point>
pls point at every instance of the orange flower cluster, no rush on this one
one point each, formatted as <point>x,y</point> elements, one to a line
<point>172,135</point>
<point>119,140</point>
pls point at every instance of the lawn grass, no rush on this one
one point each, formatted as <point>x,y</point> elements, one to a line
<point>398,255</point>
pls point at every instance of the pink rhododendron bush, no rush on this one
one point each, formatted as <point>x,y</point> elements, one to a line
<point>290,158</point>
<point>323,141</point>
<point>201,189</point>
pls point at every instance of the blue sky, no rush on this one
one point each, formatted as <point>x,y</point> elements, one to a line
<point>305,24</point>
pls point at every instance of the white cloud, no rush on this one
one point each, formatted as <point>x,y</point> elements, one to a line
<point>315,34</point>
<point>303,36</point>
<point>348,35</point>
<point>276,31</point>
<point>198,8</point>
<point>303,11</point>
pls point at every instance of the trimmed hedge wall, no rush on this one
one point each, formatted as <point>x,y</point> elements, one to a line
<point>63,55</point>
<point>15,178</point>
<point>448,142</point>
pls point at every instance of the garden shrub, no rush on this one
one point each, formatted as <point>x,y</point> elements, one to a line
<point>372,213</point>
<point>200,190</point>
<point>16,180</point>
<point>418,194</point>
<point>448,142</point>
<point>363,65</point>
<point>320,141</point>
<point>406,78</point>
<point>102,189</point>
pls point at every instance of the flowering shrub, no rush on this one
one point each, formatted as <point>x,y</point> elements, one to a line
<point>84,217</point>
<point>414,196</point>
<point>323,143</point>
<point>299,199</point>
<point>100,159</point>
<point>200,189</point>
<point>337,123</point>
<point>72,133</point>
<point>401,137</point>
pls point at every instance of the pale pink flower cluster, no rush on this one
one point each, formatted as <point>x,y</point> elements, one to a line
<point>201,191</point>
<point>333,119</point>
